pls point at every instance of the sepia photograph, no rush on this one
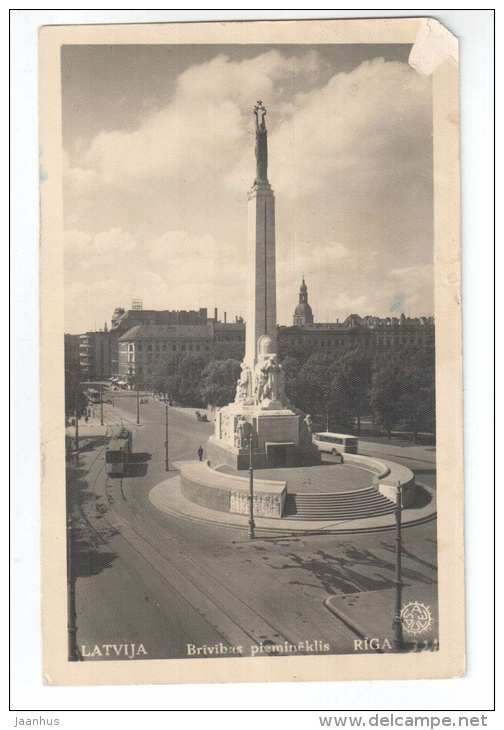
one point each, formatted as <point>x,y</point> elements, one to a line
<point>250,336</point>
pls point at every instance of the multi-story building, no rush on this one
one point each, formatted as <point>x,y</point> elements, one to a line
<point>145,347</point>
<point>124,320</point>
<point>380,336</point>
<point>72,352</point>
<point>95,355</point>
<point>140,339</point>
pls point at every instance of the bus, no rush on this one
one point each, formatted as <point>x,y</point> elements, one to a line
<point>118,451</point>
<point>335,443</point>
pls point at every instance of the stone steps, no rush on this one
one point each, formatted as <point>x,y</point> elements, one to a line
<point>338,506</point>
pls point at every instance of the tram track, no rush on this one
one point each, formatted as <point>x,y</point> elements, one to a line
<point>259,629</point>
<point>210,597</point>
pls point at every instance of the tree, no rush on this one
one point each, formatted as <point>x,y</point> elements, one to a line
<point>179,377</point>
<point>351,384</point>
<point>75,398</point>
<point>218,382</point>
<point>418,394</point>
<point>299,352</point>
<point>385,395</point>
<point>403,392</point>
<point>291,366</point>
<point>313,387</point>
<point>184,383</point>
<point>229,351</point>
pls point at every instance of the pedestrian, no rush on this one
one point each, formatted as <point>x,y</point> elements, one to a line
<point>200,453</point>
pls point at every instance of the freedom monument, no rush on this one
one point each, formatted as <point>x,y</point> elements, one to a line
<point>261,423</point>
<point>261,429</point>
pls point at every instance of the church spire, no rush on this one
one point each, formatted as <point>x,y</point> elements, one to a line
<point>303,313</point>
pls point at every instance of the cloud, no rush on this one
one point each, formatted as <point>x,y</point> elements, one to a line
<point>86,250</point>
<point>411,288</point>
<point>176,270</point>
<point>161,205</point>
<point>351,132</point>
<point>199,131</point>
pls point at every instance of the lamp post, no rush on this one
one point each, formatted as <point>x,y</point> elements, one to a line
<point>167,462</point>
<point>101,404</point>
<point>76,413</point>
<point>397,621</point>
<point>251,531</point>
<point>73,649</point>
<point>138,407</point>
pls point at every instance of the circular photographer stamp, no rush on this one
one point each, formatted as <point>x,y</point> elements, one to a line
<point>416,618</point>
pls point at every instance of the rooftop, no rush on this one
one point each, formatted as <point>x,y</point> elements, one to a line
<point>172,331</point>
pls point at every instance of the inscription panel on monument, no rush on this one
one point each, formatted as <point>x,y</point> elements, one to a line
<point>278,428</point>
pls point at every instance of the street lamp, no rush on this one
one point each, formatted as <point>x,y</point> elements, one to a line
<point>138,407</point>
<point>101,404</point>
<point>251,532</point>
<point>76,414</point>
<point>73,649</point>
<point>167,462</point>
<point>397,621</point>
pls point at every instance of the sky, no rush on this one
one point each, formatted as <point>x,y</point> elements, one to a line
<point>159,156</point>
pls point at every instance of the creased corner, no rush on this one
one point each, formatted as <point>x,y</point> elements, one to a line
<point>433,46</point>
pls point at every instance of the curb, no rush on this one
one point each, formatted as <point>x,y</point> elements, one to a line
<point>358,630</point>
<point>290,531</point>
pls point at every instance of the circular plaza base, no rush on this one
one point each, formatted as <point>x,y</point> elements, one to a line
<point>328,477</point>
<point>168,498</point>
<point>357,495</point>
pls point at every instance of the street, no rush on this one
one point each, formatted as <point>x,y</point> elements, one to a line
<point>147,578</point>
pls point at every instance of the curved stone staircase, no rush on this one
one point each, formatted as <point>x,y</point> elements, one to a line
<point>338,505</point>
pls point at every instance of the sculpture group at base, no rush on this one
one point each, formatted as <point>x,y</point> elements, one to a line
<point>261,421</point>
<point>264,385</point>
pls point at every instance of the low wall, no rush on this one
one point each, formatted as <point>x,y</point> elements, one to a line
<point>388,475</point>
<point>230,493</point>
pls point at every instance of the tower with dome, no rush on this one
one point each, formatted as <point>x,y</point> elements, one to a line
<point>303,312</point>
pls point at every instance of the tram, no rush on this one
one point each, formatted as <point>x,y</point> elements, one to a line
<point>118,451</point>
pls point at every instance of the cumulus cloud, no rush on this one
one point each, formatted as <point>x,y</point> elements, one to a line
<point>164,198</point>
<point>199,132</point>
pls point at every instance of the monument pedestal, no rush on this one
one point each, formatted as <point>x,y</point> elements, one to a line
<point>279,438</point>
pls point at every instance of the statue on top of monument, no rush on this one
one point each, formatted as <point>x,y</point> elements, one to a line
<point>261,145</point>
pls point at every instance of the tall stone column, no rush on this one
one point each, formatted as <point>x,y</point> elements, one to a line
<point>261,408</point>
<point>261,314</point>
